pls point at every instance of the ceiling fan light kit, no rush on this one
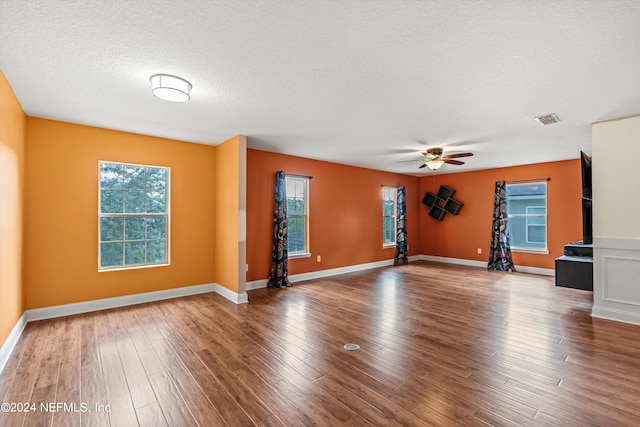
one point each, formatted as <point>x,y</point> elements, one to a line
<point>434,165</point>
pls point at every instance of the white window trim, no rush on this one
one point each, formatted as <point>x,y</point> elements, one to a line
<point>388,245</point>
<point>296,255</point>
<point>306,252</point>
<point>166,215</point>
<point>529,250</point>
<point>544,250</point>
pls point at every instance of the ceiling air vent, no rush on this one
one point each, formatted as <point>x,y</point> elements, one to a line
<point>548,119</point>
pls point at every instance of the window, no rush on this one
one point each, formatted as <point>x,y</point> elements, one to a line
<point>133,215</point>
<point>297,216</point>
<point>388,216</point>
<point>527,210</point>
<point>535,224</point>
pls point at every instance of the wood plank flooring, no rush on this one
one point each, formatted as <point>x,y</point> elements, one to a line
<point>439,344</point>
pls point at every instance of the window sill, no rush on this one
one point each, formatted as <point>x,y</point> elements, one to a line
<point>133,267</point>
<point>299,255</point>
<point>388,245</point>
<point>530,251</point>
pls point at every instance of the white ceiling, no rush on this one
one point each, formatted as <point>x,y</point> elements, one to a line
<point>366,83</point>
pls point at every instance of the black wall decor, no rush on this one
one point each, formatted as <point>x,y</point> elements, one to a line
<point>442,203</point>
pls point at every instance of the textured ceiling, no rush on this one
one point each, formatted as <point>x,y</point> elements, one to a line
<point>366,83</point>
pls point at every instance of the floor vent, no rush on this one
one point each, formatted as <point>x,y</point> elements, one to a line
<point>351,347</point>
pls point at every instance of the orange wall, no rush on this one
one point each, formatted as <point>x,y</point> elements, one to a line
<point>460,236</point>
<point>12,134</point>
<point>227,178</point>
<point>61,213</point>
<point>345,213</point>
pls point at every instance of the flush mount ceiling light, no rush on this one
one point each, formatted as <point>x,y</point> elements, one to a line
<point>435,164</point>
<point>170,88</point>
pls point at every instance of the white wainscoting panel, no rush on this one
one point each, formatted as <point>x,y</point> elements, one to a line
<point>625,274</point>
<point>616,279</point>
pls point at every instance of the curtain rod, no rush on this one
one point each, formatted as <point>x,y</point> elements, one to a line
<point>299,176</point>
<point>528,180</point>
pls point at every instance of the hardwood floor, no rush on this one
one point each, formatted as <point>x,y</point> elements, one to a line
<point>439,345</point>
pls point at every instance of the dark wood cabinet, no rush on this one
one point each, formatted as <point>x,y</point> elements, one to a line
<point>575,272</point>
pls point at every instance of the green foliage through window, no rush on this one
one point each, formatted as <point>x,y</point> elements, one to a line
<point>297,219</point>
<point>133,211</point>
<point>388,215</point>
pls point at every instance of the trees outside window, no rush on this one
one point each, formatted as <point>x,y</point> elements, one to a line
<point>297,215</point>
<point>133,215</point>
<point>389,216</point>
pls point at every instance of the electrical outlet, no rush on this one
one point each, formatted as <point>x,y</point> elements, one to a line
<point>246,267</point>
<point>318,258</point>
<point>479,250</point>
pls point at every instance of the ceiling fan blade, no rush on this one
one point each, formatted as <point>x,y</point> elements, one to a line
<point>454,156</point>
<point>453,162</point>
<point>422,166</point>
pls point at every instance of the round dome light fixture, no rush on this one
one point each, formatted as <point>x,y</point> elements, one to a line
<point>170,88</point>
<point>434,164</point>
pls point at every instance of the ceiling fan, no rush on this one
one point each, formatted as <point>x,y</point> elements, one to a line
<point>434,158</point>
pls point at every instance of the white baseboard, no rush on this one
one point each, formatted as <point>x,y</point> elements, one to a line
<point>257,284</point>
<point>106,303</point>
<point>231,296</point>
<point>458,261</point>
<point>483,264</point>
<point>262,283</point>
<point>617,315</point>
<point>11,341</point>
<point>340,270</point>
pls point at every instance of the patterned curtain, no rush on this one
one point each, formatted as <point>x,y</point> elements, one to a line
<point>279,276</point>
<point>401,229</point>
<point>500,250</point>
